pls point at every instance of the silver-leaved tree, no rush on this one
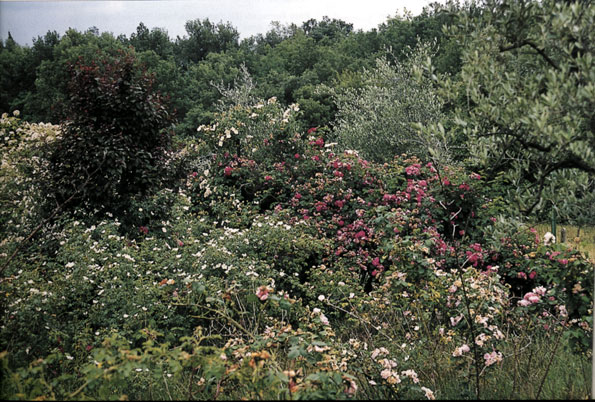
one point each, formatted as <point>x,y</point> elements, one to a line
<point>525,99</point>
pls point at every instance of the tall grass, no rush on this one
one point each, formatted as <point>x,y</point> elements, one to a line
<point>582,239</point>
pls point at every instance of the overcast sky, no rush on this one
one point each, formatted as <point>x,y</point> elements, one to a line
<point>28,19</point>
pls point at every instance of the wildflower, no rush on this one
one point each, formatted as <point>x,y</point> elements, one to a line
<point>352,389</point>
<point>393,379</point>
<point>540,290</point>
<point>227,171</point>
<point>360,235</point>
<point>411,374</point>
<point>524,303</point>
<point>379,351</point>
<point>562,310</point>
<point>532,297</point>
<point>481,339</point>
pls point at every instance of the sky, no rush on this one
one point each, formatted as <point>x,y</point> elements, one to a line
<point>26,20</point>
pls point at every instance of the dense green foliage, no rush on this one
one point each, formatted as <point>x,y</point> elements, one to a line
<point>528,78</point>
<point>311,213</point>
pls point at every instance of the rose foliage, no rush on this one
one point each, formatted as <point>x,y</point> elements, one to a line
<point>283,270</point>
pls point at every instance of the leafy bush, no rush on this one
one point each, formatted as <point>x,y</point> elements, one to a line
<point>114,140</point>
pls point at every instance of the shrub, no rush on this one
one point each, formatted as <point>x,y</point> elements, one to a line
<point>115,137</point>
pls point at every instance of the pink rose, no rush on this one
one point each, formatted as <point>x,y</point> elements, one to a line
<point>262,293</point>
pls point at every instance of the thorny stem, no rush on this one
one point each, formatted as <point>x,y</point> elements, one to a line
<point>228,318</point>
<point>190,382</point>
<point>167,387</point>
<point>549,364</point>
<point>363,321</point>
<point>472,328</point>
<point>465,296</point>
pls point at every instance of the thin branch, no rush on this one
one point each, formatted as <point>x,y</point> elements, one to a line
<point>540,51</point>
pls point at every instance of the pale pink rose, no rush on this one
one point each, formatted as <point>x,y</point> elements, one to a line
<point>455,320</point>
<point>262,293</point>
<point>540,290</point>
<point>461,350</point>
<point>491,358</point>
<point>429,393</point>
<point>532,297</point>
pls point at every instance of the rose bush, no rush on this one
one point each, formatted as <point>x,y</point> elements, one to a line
<point>279,268</point>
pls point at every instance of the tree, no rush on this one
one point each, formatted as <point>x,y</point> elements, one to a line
<point>15,73</point>
<point>528,87</point>
<point>155,39</point>
<point>326,29</point>
<point>377,116</point>
<point>205,37</point>
<point>48,101</point>
<point>202,95</point>
<point>114,142</point>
